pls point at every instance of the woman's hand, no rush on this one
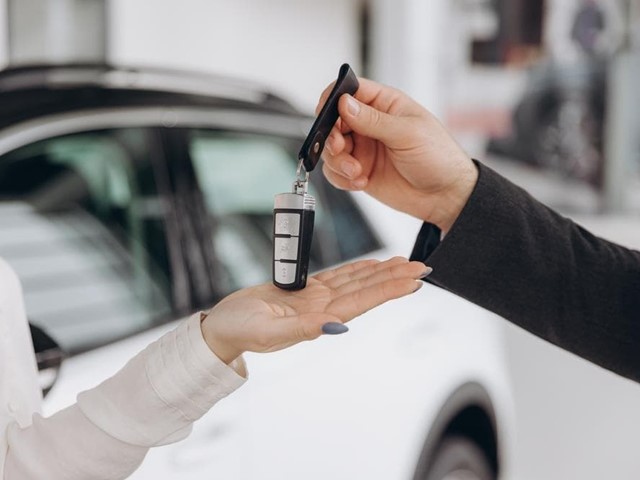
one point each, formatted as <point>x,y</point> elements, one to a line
<point>394,149</point>
<point>266,318</point>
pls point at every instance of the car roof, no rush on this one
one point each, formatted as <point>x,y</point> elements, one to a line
<point>37,90</point>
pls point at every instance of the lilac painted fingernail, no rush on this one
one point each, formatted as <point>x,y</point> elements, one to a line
<point>334,328</point>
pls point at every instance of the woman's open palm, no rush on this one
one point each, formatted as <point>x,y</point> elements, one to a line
<point>266,318</point>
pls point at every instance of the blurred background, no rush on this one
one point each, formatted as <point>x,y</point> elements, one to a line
<point>556,77</point>
<point>544,91</point>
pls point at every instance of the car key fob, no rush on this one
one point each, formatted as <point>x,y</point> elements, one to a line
<point>294,212</point>
<point>292,233</point>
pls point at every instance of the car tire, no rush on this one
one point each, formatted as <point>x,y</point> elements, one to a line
<point>459,458</point>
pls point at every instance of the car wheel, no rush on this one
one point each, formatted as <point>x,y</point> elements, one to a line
<point>569,140</point>
<point>459,458</point>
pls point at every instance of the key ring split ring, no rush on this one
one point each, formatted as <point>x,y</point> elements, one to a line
<point>299,173</point>
<point>302,180</point>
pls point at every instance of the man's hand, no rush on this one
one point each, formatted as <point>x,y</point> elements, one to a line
<point>391,147</point>
<point>266,318</point>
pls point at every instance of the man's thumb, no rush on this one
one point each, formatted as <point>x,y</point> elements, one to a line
<point>370,122</point>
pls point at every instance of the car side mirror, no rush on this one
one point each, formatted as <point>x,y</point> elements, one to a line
<point>49,356</point>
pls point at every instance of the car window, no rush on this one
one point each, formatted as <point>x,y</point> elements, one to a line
<point>81,226</point>
<point>239,174</point>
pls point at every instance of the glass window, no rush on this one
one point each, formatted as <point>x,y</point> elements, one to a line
<point>82,228</point>
<point>239,174</point>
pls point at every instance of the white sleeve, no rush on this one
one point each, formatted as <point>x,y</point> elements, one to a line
<point>152,401</point>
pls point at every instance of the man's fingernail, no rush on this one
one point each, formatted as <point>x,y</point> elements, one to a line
<point>327,146</point>
<point>360,183</point>
<point>348,169</point>
<point>353,106</point>
<point>426,272</point>
<point>419,285</point>
<point>334,328</point>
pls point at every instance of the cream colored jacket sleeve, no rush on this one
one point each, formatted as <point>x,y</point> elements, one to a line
<point>152,401</point>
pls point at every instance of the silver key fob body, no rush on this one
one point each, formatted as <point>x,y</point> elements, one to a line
<point>293,216</point>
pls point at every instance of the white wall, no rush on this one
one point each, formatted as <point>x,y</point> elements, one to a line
<point>295,46</point>
<point>408,51</point>
<point>57,31</point>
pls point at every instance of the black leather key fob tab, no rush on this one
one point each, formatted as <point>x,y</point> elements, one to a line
<point>311,150</point>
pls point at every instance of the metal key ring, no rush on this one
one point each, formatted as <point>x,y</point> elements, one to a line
<point>302,181</point>
<point>299,172</point>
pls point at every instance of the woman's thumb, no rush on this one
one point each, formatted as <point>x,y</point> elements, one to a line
<point>370,122</point>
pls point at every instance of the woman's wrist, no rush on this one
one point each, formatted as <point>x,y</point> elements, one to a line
<point>223,350</point>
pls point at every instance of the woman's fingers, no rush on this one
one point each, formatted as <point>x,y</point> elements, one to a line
<point>287,331</point>
<point>335,277</point>
<point>361,289</point>
<point>373,271</point>
<point>413,270</point>
<point>327,275</point>
<point>364,271</point>
<point>265,319</point>
<point>353,304</point>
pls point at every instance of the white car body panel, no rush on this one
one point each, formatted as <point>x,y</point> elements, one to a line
<point>353,406</point>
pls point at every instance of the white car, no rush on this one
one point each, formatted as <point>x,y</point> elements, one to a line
<point>131,198</point>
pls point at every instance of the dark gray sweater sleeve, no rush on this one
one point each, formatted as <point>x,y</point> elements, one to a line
<point>512,255</point>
